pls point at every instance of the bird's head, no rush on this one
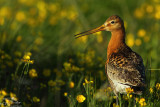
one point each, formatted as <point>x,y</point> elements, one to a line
<point>112,24</point>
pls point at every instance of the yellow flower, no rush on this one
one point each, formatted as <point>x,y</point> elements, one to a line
<point>3,92</point>
<point>41,5</point>
<point>8,102</point>
<point>33,73</point>
<point>109,89</point>
<point>114,97</point>
<point>19,38</point>
<point>158,86</point>
<point>129,90</point>
<point>157,12</point>
<point>137,99</point>
<point>141,33</point>
<point>138,42</point>
<point>142,102</point>
<point>38,41</point>
<point>20,16</point>
<point>151,90</point>
<point>130,96</point>
<point>72,14</point>
<point>67,66</point>
<point>26,57</point>
<point>5,12</point>
<point>149,9</point>
<point>53,7</point>
<point>130,40</point>
<point>13,96</point>
<point>71,84</point>
<point>65,94</point>
<point>46,72</point>
<point>51,83</point>
<point>139,13</point>
<point>36,100</point>
<point>80,98</point>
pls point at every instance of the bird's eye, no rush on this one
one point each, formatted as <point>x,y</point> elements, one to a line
<point>112,22</point>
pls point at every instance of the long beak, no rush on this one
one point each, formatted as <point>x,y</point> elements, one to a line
<point>100,28</point>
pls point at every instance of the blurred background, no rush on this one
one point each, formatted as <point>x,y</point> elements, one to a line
<point>41,62</point>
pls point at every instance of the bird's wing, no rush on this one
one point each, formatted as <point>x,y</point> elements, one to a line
<point>126,67</point>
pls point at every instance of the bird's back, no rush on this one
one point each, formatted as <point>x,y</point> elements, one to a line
<point>125,69</point>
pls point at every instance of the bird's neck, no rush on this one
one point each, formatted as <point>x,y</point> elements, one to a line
<point>117,40</point>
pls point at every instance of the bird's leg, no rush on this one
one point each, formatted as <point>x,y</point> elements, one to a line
<point>116,97</point>
<point>117,100</point>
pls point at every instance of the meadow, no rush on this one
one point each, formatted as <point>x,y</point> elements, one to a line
<point>43,65</point>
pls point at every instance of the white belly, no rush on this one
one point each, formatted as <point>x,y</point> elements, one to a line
<point>121,88</point>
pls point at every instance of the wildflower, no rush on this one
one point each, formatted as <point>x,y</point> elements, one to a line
<point>151,90</point>
<point>26,58</point>
<point>109,89</point>
<point>38,41</point>
<point>65,94</point>
<point>86,81</point>
<point>130,40</point>
<point>74,68</point>
<point>129,90</point>
<point>67,66</point>
<point>141,33</point>
<point>8,102</point>
<point>114,97</point>
<point>51,83</point>
<point>130,96</point>
<point>3,92</point>
<point>139,13</point>
<point>138,42</point>
<point>142,102</point>
<point>20,16</point>
<point>158,86</point>
<point>19,38</point>
<point>72,14</point>
<point>13,96</point>
<point>80,98</point>
<point>46,72</point>
<point>36,100</point>
<point>71,84</point>
<point>5,12</point>
<point>33,73</point>
<point>157,14</point>
<point>149,9</point>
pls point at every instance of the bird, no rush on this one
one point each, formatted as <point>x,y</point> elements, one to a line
<point>124,67</point>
